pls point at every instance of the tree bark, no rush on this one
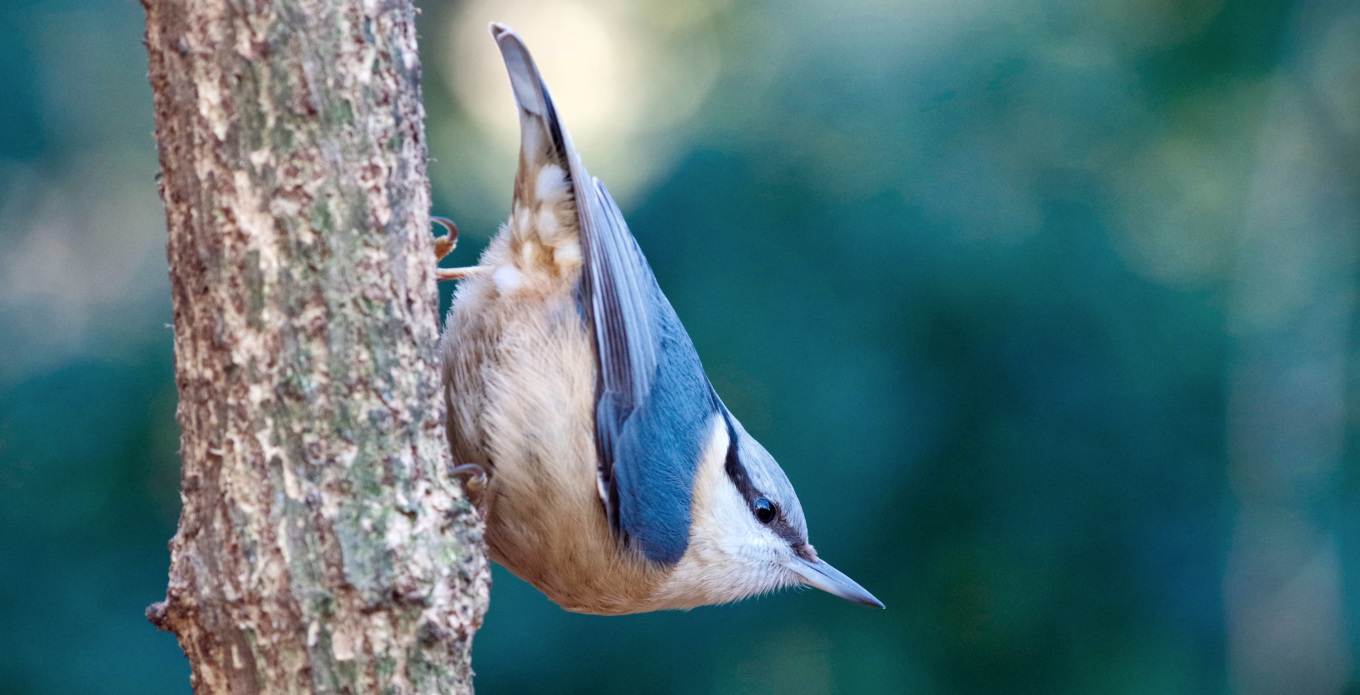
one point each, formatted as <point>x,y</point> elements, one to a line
<point>323,546</point>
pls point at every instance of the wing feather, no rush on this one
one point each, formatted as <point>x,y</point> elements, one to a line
<point>654,405</point>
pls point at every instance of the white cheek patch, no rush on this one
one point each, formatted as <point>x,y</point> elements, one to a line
<point>736,532</point>
<point>507,279</point>
<point>552,183</point>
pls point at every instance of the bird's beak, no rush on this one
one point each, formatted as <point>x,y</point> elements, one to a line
<point>818,574</point>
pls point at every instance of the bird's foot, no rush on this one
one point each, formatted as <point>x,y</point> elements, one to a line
<point>473,476</point>
<point>445,243</point>
<point>443,246</point>
<point>442,274</point>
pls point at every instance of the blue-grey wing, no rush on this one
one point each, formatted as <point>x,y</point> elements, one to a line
<point>654,403</point>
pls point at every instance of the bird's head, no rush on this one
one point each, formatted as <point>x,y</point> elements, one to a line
<point>748,534</point>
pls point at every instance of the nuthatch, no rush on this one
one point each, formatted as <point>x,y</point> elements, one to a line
<point>609,473</point>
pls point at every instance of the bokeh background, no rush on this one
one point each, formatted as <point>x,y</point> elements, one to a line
<point>1048,308</point>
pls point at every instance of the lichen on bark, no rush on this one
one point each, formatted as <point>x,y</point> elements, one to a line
<point>323,546</point>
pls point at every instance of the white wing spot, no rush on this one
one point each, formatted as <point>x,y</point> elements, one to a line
<point>552,183</point>
<point>547,223</point>
<point>507,279</point>
<point>569,252</point>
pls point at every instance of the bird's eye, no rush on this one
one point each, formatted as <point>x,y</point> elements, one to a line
<point>765,510</point>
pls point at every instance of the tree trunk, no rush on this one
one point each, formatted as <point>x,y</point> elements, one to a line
<point>323,546</point>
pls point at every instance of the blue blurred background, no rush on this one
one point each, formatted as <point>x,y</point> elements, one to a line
<point>1048,308</point>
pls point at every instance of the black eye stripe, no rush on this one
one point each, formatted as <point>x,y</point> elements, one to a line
<point>736,472</point>
<point>765,510</point>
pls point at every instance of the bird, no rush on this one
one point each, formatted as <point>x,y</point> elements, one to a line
<point>608,472</point>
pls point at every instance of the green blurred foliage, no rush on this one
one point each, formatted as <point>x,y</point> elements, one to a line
<point>967,269</point>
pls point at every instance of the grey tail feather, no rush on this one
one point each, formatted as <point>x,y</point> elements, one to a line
<point>535,103</point>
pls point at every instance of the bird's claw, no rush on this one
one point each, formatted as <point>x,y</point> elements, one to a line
<point>445,243</point>
<point>473,476</point>
<point>443,246</point>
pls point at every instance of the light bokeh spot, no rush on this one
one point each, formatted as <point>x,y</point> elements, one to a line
<point>622,79</point>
